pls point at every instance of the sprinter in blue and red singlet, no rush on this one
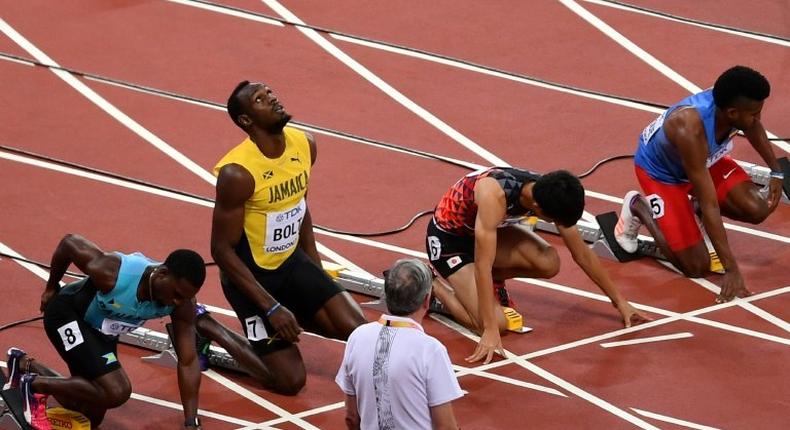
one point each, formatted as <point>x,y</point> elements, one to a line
<point>684,153</point>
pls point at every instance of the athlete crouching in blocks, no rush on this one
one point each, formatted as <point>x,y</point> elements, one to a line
<point>683,153</point>
<point>474,241</point>
<point>84,319</point>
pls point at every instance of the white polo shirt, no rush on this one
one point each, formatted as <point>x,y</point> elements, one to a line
<point>397,372</point>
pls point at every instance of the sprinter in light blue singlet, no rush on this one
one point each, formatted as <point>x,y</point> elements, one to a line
<point>84,319</point>
<point>683,154</point>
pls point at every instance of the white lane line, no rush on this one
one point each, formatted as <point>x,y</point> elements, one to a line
<point>647,340</point>
<point>715,289</point>
<point>363,241</point>
<point>102,178</point>
<point>671,420</point>
<point>579,392</point>
<point>695,24</point>
<point>484,71</point>
<point>394,93</point>
<point>550,285</point>
<point>303,414</point>
<point>689,316</point>
<point>178,407</point>
<point>452,325</point>
<point>230,12</point>
<point>511,381</point>
<point>385,87</point>
<point>105,105</point>
<point>258,400</point>
<point>473,166</point>
<point>339,259</point>
<point>645,56</point>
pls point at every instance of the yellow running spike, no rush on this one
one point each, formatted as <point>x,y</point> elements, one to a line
<point>715,263</point>
<point>332,269</point>
<point>64,419</point>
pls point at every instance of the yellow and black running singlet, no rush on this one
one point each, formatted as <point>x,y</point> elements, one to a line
<point>274,213</point>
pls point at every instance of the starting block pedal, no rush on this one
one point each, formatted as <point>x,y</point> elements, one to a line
<point>64,419</point>
<point>332,269</point>
<point>13,417</point>
<point>515,322</point>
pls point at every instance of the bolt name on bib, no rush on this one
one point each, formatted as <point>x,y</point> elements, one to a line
<point>286,189</point>
<point>282,228</point>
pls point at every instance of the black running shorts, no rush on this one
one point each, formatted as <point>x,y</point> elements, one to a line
<point>448,252</point>
<point>298,284</point>
<point>88,352</point>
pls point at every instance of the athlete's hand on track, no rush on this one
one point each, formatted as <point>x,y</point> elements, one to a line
<point>774,193</point>
<point>285,324</point>
<point>732,286</point>
<point>46,296</point>
<point>490,342</point>
<point>631,316</point>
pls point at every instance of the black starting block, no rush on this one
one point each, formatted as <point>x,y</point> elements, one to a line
<point>608,247</point>
<point>11,412</point>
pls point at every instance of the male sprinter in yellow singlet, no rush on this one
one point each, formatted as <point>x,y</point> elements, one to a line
<point>262,239</point>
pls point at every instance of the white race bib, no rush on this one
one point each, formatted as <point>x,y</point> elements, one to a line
<point>282,228</point>
<point>653,127</point>
<point>721,152</point>
<point>117,328</point>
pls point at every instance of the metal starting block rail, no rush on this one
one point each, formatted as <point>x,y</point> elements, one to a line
<point>601,237</point>
<point>160,342</point>
<point>762,175</point>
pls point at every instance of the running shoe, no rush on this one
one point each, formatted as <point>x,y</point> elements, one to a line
<point>501,294</point>
<point>627,228</point>
<point>14,369</point>
<point>435,305</point>
<point>34,404</point>
<point>715,262</point>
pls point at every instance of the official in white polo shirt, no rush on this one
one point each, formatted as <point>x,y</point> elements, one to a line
<point>394,375</point>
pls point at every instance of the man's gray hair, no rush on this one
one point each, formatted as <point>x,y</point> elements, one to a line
<point>406,286</point>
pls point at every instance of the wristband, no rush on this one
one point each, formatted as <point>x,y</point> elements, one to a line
<point>273,309</point>
<point>777,175</point>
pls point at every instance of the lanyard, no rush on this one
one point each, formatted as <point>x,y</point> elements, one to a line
<point>399,324</point>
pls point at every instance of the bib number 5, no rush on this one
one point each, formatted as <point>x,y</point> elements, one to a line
<point>656,205</point>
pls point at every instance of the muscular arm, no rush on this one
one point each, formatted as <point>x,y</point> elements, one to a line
<point>685,130</point>
<point>183,318</point>
<point>759,141</point>
<point>306,235</point>
<point>234,186</point>
<point>490,199</point>
<point>101,267</point>
<point>589,262</point>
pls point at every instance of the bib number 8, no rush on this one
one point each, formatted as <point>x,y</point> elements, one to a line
<point>71,335</point>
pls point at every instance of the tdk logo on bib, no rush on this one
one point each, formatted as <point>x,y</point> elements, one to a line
<point>282,228</point>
